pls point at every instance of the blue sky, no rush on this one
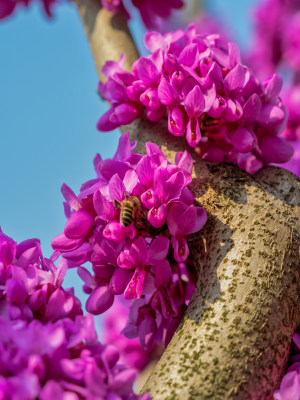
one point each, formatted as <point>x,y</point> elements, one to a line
<point>48,113</point>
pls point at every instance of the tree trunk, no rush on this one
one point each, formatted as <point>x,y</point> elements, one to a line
<point>107,34</point>
<point>234,341</point>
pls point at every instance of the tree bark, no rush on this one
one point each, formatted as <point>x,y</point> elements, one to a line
<point>107,34</point>
<point>234,341</point>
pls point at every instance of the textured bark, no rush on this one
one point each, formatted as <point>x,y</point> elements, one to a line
<point>107,34</point>
<point>234,340</point>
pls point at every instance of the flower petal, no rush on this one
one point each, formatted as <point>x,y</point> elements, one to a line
<point>105,123</point>
<point>172,219</point>
<point>163,274</point>
<point>194,102</point>
<point>119,280</point>
<point>181,249</point>
<point>146,331</point>
<point>116,188</point>
<point>176,122</point>
<point>167,94</point>
<point>236,79</point>
<point>123,114</point>
<point>157,216</point>
<point>193,133</point>
<point>275,149</point>
<point>135,287</point>
<point>146,71</point>
<point>79,224</point>
<point>99,301</point>
<point>159,248</point>
<point>243,140</point>
<point>62,243</point>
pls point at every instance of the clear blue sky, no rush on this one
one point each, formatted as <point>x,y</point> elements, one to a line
<point>48,113</point>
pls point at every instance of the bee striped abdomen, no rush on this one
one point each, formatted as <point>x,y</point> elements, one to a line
<point>126,214</point>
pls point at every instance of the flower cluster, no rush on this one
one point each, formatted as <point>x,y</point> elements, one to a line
<point>291,97</point>
<point>277,36</point>
<point>277,47</point>
<point>290,384</point>
<point>199,83</point>
<point>48,348</point>
<point>132,354</point>
<point>152,11</point>
<point>131,223</point>
<point>294,164</point>
<point>30,285</point>
<point>7,7</point>
<point>62,360</point>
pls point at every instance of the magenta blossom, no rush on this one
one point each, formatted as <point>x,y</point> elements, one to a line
<point>294,164</point>
<point>7,7</point>
<point>30,285</point>
<point>290,384</point>
<point>277,36</point>
<point>61,360</point>
<point>131,352</point>
<point>277,47</point>
<point>269,22</point>
<point>48,349</point>
<point>198,82</point>
<point>291,97</point>
<point>152,11</point>
<point>188,222</point>
<point>143,255</point>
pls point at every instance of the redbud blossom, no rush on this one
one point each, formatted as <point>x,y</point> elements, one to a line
<point>152,11</point>
<point>199,84</point>
<point>7,7</point>
<point>132,224</point>
<point>290,384</point>
<point>49,350</point>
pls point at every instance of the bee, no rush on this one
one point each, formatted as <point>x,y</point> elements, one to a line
<point>129,209</point>
<point>209,122</point>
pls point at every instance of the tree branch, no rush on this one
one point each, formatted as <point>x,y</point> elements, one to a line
<point>108,34</point>
<point>234,340</point>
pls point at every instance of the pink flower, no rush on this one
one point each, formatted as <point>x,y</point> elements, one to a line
<point>277,36</point>
<point>7,7</point>
<point>61,359</point>
<point>191,220</point>
<point>131,352</point>
<point>124,223</point>
<point>291,40</point>
<point>31,284</point>
<point>294,164</point>
<point>199,83</point>
<point>151,10</point>
<point>291,98</point>
<point>48,349</point>
<point>292,132</point>
<point>112,5</point>
<point>290,384</point>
